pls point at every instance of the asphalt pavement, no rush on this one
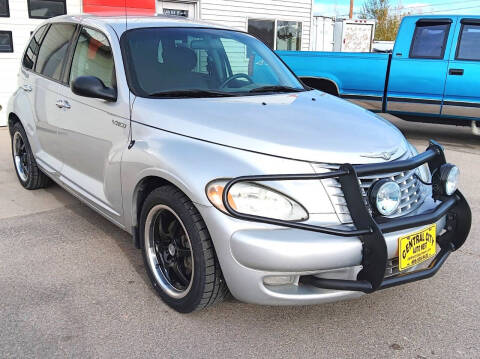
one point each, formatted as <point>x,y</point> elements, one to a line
<point>72,285</point>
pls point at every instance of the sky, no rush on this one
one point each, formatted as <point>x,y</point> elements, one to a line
<point>341,7</point>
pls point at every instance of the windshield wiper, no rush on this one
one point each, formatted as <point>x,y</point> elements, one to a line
<point>190,94</point>
<point>276,89</point>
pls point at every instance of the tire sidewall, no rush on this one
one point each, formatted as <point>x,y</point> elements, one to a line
<point>18,128</point>
<point>194,296</point>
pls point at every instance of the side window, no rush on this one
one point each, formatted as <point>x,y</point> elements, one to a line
<point>4,8</point>
<point>93,57</point>
<point>32,49</point>
<point>45,9</point>
<point>468,45</point>
<point>6,42</point>
<point>289,35</point>
<point>237,56</point>
<point>53,50</point>
<point>429,40</point>
<point>264,30</point>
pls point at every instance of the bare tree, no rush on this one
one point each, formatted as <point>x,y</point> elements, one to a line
<point>388,19</point>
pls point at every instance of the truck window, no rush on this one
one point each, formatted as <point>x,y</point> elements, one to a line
<point>468,45</point>
<point>429,40</point>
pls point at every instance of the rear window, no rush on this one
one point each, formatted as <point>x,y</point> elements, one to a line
<point>469,45</point>
<point>32,49</point>
<point>429,40</point>
<point>53,50</point>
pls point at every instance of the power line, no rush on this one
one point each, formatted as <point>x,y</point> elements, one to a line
<point>450,10</point>
<point>435,5</point>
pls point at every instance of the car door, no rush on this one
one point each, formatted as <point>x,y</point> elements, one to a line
<point>26,82</point>
<point>94,133</point>
<point>47,85</point>
<point>417,74</point>
<point>462,98</point>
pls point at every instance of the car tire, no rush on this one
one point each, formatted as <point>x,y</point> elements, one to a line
<point>26,168</point>
<point>178,252</point>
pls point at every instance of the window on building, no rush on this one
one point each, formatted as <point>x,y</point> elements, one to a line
<point>289,35</point>
<point>4,8</point>
<point>53,50</point>
<point>263,30</point>
<point>93,57</point>
<point>32,49</point>
<point>45,9</point>
<point>429,40</point>
<point>277,34</point>
<point>468,47</point>
<point>6,42</point>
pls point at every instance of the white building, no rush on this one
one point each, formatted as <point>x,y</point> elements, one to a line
<point>281,24</point>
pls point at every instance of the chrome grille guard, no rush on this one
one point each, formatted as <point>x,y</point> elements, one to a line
<point>369,230</point>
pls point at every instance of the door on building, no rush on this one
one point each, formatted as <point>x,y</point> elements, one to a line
<point>185,9</point>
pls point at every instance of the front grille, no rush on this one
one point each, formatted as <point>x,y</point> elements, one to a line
<point>392,267</point>
<point>413,191</point>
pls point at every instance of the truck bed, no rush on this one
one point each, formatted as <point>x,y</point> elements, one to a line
<point>354,74</point>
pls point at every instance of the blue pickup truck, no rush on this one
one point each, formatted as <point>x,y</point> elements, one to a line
<point>433,73</point>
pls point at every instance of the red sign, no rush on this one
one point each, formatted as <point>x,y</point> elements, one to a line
<point>119,7</point>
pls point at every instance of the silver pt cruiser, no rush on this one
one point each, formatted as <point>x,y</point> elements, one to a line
<point>230,174</point>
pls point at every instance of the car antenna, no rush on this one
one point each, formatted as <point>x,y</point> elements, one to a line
<point>130,132</point>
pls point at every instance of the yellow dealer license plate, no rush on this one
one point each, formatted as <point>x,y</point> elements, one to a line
<point>417,247</point>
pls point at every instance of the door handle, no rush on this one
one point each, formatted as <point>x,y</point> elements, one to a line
<point>63,104</point>
<point>458,72</point>
<point>27,88</point>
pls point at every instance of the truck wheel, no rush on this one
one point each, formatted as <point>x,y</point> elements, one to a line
<point>178,252</point>
<point>28,173</point>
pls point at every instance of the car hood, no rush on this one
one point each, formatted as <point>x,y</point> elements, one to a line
<point>309,126</point>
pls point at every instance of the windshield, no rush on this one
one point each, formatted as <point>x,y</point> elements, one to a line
<point>184,62</point>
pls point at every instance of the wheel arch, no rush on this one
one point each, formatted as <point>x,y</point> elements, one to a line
<point>323,84</point>
<point>143,188</point>
<point>12,120</point>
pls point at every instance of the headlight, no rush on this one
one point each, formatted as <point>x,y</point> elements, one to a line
<point>449,178</point>
<point>254,199</point>
<point>386,196</point>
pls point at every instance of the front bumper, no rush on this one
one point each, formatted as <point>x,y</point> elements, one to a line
<point>332,263</point>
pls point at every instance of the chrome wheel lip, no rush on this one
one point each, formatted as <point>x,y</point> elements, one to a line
<point>17,155</point>
<point>151,255</point>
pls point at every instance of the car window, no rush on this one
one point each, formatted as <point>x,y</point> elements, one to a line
<point>468,47</point>
<point>53,50</point>
<point>93,57</point>
<point>429,40</point>
<point>171,59</point>
<point>32,49</point>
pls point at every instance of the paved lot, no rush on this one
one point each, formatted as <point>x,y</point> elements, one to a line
<point>72,285</point>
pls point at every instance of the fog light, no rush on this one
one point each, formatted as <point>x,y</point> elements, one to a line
<point>449,178</point>
<point>385,196</point>
<point>279,280</point>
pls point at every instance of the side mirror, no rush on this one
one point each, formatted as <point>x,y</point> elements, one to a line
<point>91,86</point>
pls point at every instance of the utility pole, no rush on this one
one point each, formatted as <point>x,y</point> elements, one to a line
<point>351,9</point>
